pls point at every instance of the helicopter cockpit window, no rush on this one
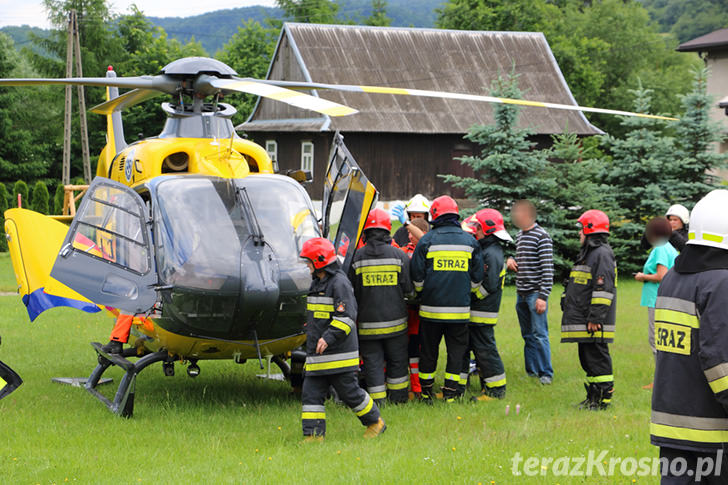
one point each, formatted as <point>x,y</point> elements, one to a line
<point>198,233</point>
<point>110,228</point>
<point>340,180</point>
<point>284,213</point>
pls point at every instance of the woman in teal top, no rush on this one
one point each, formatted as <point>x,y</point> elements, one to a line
<point>661,259</point>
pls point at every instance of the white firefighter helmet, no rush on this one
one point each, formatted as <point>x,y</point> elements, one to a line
<point>418,203</point>
<point>679,211</point>
<point>709,221</point>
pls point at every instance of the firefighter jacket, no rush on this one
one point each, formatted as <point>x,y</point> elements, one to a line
<point>690,395</point>
<point>381,280</point>
<point>446,268</point>
<point>486,299</point>
<point>591,294</point>
<point>331,313</point>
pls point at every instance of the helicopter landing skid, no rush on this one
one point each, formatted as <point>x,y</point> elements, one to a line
<point>123,402</point>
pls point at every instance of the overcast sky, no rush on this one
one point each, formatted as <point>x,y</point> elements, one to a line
<point>30,12</point>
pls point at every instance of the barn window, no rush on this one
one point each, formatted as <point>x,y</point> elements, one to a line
<point>271,146</point>
<point>307,156</point>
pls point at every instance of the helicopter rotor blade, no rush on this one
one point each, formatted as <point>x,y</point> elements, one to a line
<point>278,93</point>
<point>459,96</point>
<point>161,83</point>
<point>126,100</point>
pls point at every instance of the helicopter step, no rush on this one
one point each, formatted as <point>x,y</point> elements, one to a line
<point>123,402</point>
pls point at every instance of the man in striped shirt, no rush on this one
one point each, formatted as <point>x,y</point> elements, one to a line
<point>534,269</point>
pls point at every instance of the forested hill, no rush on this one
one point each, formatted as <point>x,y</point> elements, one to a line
<point>213,29</point>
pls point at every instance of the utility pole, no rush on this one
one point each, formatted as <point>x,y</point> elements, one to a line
<point>74,45</point>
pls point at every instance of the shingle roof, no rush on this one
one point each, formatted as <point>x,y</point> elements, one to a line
<point>430,59</point>
<point>715,40</point>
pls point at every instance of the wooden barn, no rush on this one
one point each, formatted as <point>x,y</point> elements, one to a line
<point>404,142</point>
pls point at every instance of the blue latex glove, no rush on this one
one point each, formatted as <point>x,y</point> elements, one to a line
<point>398,212</point>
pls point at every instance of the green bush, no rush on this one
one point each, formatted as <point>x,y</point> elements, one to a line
<point>40,198</point>
<point>21,188</point>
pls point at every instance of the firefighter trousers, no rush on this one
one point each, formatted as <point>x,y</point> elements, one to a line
<point>678,467</point>
<point>597,363</point>
<point>315,392</point>
<point>456,342</point>
<point>385,357</point>
<point>481,340</point>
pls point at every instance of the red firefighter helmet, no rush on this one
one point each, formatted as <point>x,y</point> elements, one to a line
<point>443,205</point>
<point>320,251</point>
<point>491,221</point>
<point>469,225</point>
<point>378,219</point>
<point>594,222</point>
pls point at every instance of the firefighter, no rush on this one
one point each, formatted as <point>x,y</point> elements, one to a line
<point>418,207</point>
<point>381,280</point>
<point>589,305</point>
<point>332,353</point>
<point>485,304</point>
<point>690,396</point>
<point>418,228</point>
<point>446,267</point>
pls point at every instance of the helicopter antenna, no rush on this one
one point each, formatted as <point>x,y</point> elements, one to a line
<point>230,147</point>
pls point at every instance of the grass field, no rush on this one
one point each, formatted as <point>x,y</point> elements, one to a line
<point>227,426</point>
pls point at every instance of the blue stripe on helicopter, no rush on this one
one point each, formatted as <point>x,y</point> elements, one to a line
<point>39,301</point>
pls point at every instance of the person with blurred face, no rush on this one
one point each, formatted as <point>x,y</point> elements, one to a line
<point>660,260</point>
<point>534,268</point>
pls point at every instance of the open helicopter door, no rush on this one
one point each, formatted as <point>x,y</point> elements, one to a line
<point>348,198</point>
<point>107,253</point>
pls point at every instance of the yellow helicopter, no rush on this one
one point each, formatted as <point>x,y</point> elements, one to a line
<point>192,232</point>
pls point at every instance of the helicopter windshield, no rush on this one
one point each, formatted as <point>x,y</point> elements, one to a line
<point>198,233</point>
<point>284,213</point>
<point>201,229</point>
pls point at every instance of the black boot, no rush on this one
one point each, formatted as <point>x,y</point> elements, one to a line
<point>427,396</point>
<point>589,401</point>
<point>451,395</point>
<point>113,347</point>
<point>603,399</point>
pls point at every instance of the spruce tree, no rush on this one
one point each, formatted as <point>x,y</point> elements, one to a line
<point>573,173</point>
<point>638,174</point>
<point>505,166</point>
<point>40,198</point>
